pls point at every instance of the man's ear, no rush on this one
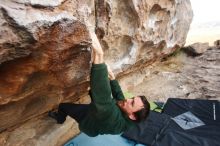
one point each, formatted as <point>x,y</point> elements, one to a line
<point>132,117</point>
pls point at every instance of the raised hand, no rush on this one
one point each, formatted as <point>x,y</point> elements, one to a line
<point>110,73</point>
<point>97,52</point>
<point>96,46</point>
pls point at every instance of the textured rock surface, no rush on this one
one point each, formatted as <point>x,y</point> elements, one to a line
<point>180,76</point>
<point>197,48</point>
<point>44,47</point>
<point>54,68</point>
<point>47,134</point>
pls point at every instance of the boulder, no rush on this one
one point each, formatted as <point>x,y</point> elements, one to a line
<point>45,47</point>
<point>196,48</point>
<point>217,43</point>
<point>40,132</point>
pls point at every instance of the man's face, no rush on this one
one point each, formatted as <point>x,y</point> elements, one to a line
<point>131,105</point>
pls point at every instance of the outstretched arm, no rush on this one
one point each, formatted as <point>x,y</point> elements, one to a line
<point>100,86</point>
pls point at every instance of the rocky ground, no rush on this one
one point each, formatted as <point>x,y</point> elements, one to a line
<point>184,76</point>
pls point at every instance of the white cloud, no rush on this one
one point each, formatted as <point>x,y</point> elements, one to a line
<point>205,26</point>
<point>205,10</point>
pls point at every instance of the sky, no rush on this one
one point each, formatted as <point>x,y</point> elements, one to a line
<point>205,10</point>
<point>203,27</point>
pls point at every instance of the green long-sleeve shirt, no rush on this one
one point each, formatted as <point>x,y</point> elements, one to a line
<point>104,116</point>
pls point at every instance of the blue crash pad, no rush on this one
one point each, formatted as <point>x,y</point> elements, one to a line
<point>101,140</point>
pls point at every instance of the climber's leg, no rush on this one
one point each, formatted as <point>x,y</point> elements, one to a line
<point>76,111</point>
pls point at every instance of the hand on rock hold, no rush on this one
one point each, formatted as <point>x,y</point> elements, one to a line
<point>96,46</point>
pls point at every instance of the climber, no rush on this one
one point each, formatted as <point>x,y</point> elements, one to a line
<point>104,115</point>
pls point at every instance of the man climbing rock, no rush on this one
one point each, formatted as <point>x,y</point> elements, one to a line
<point>104,115</point>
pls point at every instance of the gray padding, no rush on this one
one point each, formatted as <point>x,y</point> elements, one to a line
<point>188,120</point>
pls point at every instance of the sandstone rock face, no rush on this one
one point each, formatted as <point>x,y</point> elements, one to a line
<point>44,47</point>
<point>139,31</point>
<point>49,133</point>
<point>46,61</point>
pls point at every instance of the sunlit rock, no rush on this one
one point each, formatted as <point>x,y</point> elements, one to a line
<point>45,54</point>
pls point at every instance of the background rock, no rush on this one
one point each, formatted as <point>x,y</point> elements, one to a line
<point>196,48</point>
<point>45,55</point>
<point>217,43</point>
<point>180,76</point>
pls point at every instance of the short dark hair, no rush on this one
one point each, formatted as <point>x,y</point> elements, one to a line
<point>144,112</point>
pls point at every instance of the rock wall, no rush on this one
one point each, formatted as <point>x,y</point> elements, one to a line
<point>45,54</point>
